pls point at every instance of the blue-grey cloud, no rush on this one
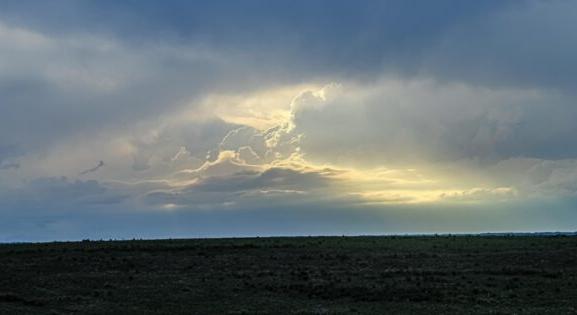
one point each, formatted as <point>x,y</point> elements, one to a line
<point>8,166</point>
<point>478,41</point>
<point>46,194</point>
<point>8,152</point>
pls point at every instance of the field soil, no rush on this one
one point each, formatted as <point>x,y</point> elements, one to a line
<point>304,275</point>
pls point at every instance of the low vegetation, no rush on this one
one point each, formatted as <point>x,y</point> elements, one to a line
<point>306,275</point>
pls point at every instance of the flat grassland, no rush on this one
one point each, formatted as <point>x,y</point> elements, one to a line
<point>302,275</point>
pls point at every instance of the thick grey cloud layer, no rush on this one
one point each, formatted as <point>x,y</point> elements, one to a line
<point>413,121</point>
<point>485,42</point>
<point>47,194</point>
<point>73,71</point>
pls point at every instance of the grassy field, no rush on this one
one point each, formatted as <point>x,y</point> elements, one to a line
<point>307,275</point>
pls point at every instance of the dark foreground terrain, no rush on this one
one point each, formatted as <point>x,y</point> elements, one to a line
<point>309,275</point>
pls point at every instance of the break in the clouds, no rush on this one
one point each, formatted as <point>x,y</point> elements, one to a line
<point>222,118</point>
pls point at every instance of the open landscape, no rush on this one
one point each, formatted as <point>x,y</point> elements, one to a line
<point>288,157</point>
<point>300,275</point>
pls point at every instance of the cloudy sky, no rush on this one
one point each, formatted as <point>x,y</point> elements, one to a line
<point>154,119</point>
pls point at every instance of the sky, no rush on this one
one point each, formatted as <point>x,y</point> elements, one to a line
<point>173,119</point>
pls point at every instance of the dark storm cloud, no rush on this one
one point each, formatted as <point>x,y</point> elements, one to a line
<point>525,43</point>
<point>313,36</point>
<point>157,56</point>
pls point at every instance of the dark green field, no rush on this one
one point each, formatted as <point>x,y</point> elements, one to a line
<point>308,275</point>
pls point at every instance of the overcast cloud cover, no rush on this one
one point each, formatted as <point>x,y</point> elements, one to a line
<point>123,119</point>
